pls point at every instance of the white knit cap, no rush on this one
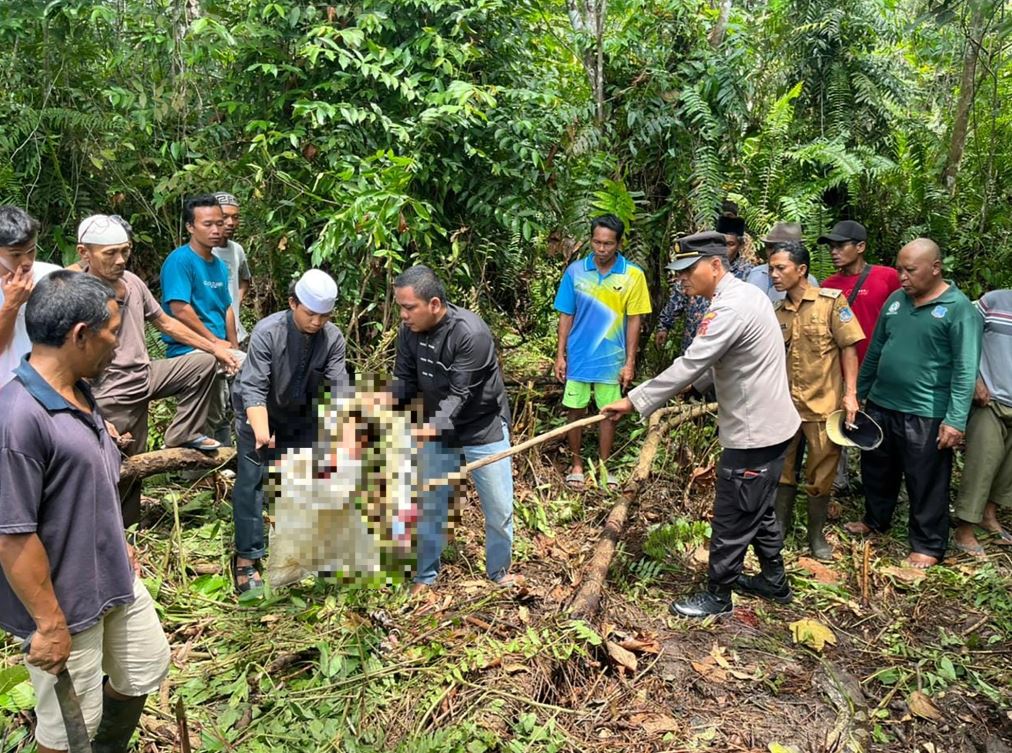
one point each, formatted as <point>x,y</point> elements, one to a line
<point>317,291</point>
<point>101,230</point>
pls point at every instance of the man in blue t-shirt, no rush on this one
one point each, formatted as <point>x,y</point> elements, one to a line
<point>195,291</point>
<point>600,301</point>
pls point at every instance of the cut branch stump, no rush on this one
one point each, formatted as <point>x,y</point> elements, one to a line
<point>174,459</point>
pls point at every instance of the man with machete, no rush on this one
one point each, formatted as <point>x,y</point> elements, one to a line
<point>446,356</point>
<point>739,349</point>
<point>68,578</point>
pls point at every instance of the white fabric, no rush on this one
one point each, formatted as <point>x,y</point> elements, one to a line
<point>317,291</point>
<point>128,644</point>
<point>234,257</point>
<point>20,345</point>
<point>344,524</point>
<point>101,230</point>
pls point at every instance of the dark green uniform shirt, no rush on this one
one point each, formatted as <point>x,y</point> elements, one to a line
<point>923,359</point>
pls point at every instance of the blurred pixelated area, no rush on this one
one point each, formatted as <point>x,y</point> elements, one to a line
<point>347,506</point>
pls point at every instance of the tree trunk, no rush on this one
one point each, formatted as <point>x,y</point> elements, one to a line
<point>587,599</point>
<point>174,459</point>
<point>720,28</point>
<point>964,106</point>
<point>587,18</point>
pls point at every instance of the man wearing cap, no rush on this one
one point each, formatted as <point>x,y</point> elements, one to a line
<point>986,484</point>
<point>738,347</point>
<point>132,380</point>
<point>866,286</point>
<point>293,355</point>
<point>695,308</point>
<point>69,579</point>
<point>446,356</point>
<point>918,379</point>
<point>601,301</point>
<point>781,233</point>
<point>239,278</point>
<point>820,332</point>
<point>19,272</point>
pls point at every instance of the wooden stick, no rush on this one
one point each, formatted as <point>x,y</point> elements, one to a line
<point>533,442</point>
<point>866,561</point>
<point>588,597</point>
<point>174,459</point>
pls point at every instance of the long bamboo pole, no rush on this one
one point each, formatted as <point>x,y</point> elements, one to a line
<point>516,449</point>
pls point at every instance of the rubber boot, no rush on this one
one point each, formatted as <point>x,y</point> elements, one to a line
<point>783,506</point>
<point>770,585</point>
<point>818,511</point>
<point>119,720</point>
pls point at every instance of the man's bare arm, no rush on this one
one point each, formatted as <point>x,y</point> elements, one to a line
<point>217,348</point>
<point>25,564</point>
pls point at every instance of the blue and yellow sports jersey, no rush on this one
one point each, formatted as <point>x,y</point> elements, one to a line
<point>599,305</point>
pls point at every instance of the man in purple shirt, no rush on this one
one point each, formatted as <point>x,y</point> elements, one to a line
<point>67,576</point>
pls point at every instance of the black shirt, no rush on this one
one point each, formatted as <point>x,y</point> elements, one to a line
<point>285,370</point>
<point>455,369</point>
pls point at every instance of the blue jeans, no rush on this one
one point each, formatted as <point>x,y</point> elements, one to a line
<point>495,491</point>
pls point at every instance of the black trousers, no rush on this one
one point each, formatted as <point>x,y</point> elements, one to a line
<point>743,511</point>
<point>909,450</point>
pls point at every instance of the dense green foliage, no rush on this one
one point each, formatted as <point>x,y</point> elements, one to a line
<point>366,135</point>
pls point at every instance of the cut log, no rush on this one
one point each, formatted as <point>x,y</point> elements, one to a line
<point>174,459</point>
<point>587,599</point>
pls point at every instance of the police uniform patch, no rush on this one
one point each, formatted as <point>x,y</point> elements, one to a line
<point>846,314</point>
<point>939,312</point>
<point>893,307</point>
<point>705,323</point>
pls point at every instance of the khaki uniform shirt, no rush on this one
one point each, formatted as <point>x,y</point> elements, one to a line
<point>738,347</point>
<point>815,331</point>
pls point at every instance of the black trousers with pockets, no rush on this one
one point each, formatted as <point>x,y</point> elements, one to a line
<point>743,511</point>
<point>909,451</point>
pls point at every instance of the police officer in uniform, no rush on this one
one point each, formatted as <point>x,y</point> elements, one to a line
<point>739,350</point>
<point>820,333</point>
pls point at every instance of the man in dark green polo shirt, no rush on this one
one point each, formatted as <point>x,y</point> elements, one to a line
<point>918,379</point>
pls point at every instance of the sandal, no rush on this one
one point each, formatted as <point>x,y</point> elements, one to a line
<point>575,481</point>
<point>250,573</point>
<point>200,444</point>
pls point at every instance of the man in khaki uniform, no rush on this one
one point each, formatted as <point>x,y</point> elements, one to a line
<point>820,333</point>
<point>738,350</point>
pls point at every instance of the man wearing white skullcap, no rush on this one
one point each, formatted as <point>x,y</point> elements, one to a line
<point>132,380</point>
<point>293,356</point>
<point>18,274</point>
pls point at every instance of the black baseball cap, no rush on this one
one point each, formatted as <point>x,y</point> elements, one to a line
<point>848,230</point>
<point>692,248</point>
<point>731,225</point>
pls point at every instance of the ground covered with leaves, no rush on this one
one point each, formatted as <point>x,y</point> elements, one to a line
<point>869,657</point>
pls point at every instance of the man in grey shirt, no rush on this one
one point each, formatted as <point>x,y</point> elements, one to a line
<point>68,576</point>
<point>739,349</point>
<point>292,356</point>
<point>987,473</point>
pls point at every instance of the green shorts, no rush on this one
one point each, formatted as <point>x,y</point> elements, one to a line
<point>577,394</point>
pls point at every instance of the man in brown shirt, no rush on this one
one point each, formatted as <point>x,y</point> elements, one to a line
<point>820,332</point>
<point>132,379</point>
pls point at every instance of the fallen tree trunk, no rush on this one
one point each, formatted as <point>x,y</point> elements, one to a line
<point>588,597</point>
<point>174,459</point>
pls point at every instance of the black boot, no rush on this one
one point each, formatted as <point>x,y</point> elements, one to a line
<point>714,600</point>
<point>783,507</point>
<point>770,585</point>
<point>119,720</point>
<point>818,511</point>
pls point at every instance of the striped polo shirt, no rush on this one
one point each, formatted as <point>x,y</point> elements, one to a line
<point>996,353</point>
